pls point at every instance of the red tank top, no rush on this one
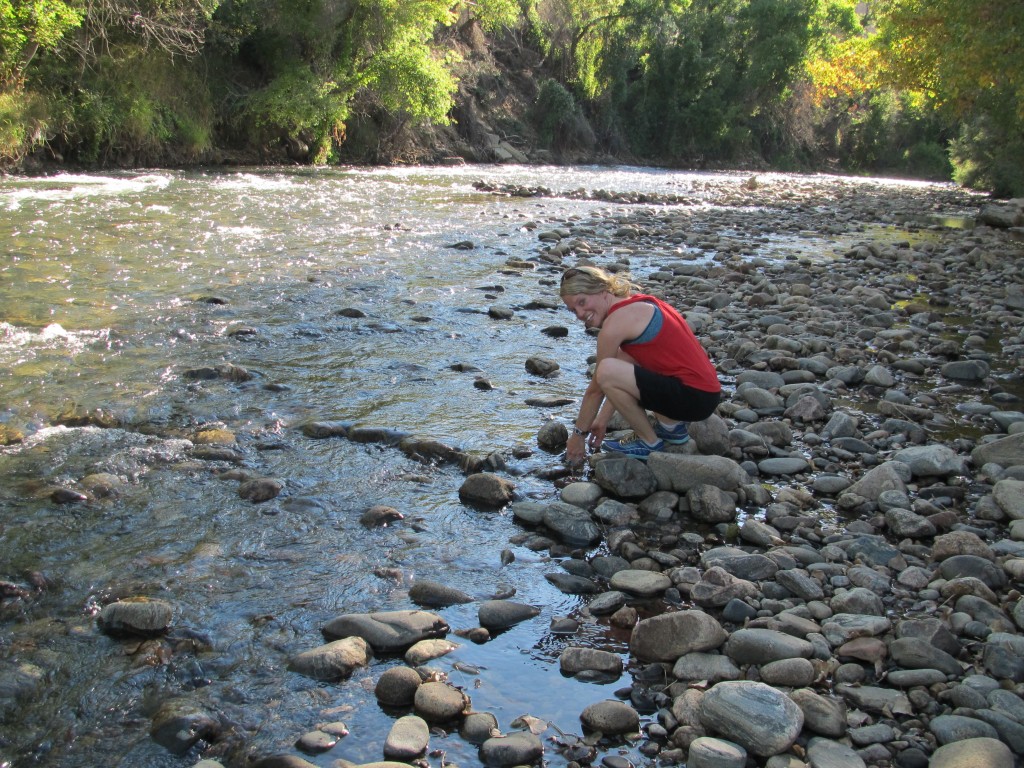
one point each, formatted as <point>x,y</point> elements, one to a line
<point>674,351</point>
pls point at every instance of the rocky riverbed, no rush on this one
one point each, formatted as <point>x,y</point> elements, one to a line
<point>827,574</point>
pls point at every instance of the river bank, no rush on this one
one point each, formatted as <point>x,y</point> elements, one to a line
<point>786,583</point>
<point>835,554</point>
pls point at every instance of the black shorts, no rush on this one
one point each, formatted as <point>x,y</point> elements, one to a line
<point>673,399</point>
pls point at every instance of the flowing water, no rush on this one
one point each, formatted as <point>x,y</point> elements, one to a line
<point>114,287</point>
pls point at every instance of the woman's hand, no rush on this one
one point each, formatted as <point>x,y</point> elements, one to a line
<point>597,432</point>
<point>575,449</point>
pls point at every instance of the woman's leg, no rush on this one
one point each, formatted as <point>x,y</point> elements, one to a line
<point>617,380</point>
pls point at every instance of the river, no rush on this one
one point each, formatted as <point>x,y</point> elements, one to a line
<point>341,292</point>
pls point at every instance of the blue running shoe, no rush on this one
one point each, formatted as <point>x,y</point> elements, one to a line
<point>674,435</point>
<point>632,446</point>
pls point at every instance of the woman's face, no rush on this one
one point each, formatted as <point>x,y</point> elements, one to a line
<point>591,308</point>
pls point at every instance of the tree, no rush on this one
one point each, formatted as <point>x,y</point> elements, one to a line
<point>28,26</point>
<point>967,55</point>
<point>314,59</point>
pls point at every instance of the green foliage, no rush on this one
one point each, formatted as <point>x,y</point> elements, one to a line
<point>672,81</point>
<point>412,80</point>
<point>695,81</point>
<point>315,59</point>
<point>28,26</point>
<point>968,56</point>
<point>554,112</point>
<point>494,15</point>
<point>300,106</point>
<point>23,123</point>
<point>987,156</point>
<point>136,111</point>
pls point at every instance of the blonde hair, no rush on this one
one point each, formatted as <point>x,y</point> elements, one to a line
<point>591,280</point>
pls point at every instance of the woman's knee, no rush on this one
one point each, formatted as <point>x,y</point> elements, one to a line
<point>612,372</point>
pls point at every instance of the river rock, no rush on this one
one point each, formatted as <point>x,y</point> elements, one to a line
<point>136,616</point>
<point>748,566</point>
<point>966,370</point>
<point>800,583</point>
<point>260,489</point>
<point>316,741</point>
<point>711,667</point>
<point>825,753</point>
<point>876,699</point>
<point>789,465</point>
<point>761,646</point>
<point>502,614</point>
<point>974,566</point>
<point>843,627</point>
<point>710,504</point>
<point>960,543</point>
<point>1009,495</point>
<point>439,702</point>
<point>572,524</point>
<point>641,583</point>
<point>397,686</point>
<point>949,729</point>
<point>544,367</point>
<point>333,661</point>
<point>609,602</point>
<point>760,534</point>
<point>408,739</point>
<point>581,494</point>
<point>891,476</point>
<point>983,752</point>
<point>387,631</point>
<point>431,594</point>
<point>427,650</point>
<point>857,601</point>
<point>1005,451</point>
<point>824,715</point>
<point>681,472</point>
<point>906,524</point>
<point>478,727</point>
<point>380,515</point>
<point>717,587</point>
<point>180,723</point>
<point>625,478</point>
<point>788,673</point>
<point>931,461</point>
<point>552,436</point>
<point>708,752</point>
<point>668,636</point>
<point>758,717</point>
<point>573,661</point>
<point>287,761</point>
<point>614,513</point>
<point>914,653</point>
<point>520,748</point>
<point>711,436</point>
<point>486,489</point>
<point>611,718</point>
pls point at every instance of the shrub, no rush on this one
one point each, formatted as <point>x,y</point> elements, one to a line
<point>554,114</point>
<point>987,156</point>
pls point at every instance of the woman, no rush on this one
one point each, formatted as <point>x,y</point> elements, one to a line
<point>647,359</point>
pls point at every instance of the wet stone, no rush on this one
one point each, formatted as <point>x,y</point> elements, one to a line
<point>315,742</point>
<point>136,616</point>
<point>610,718</point>
<point>408,739</point>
